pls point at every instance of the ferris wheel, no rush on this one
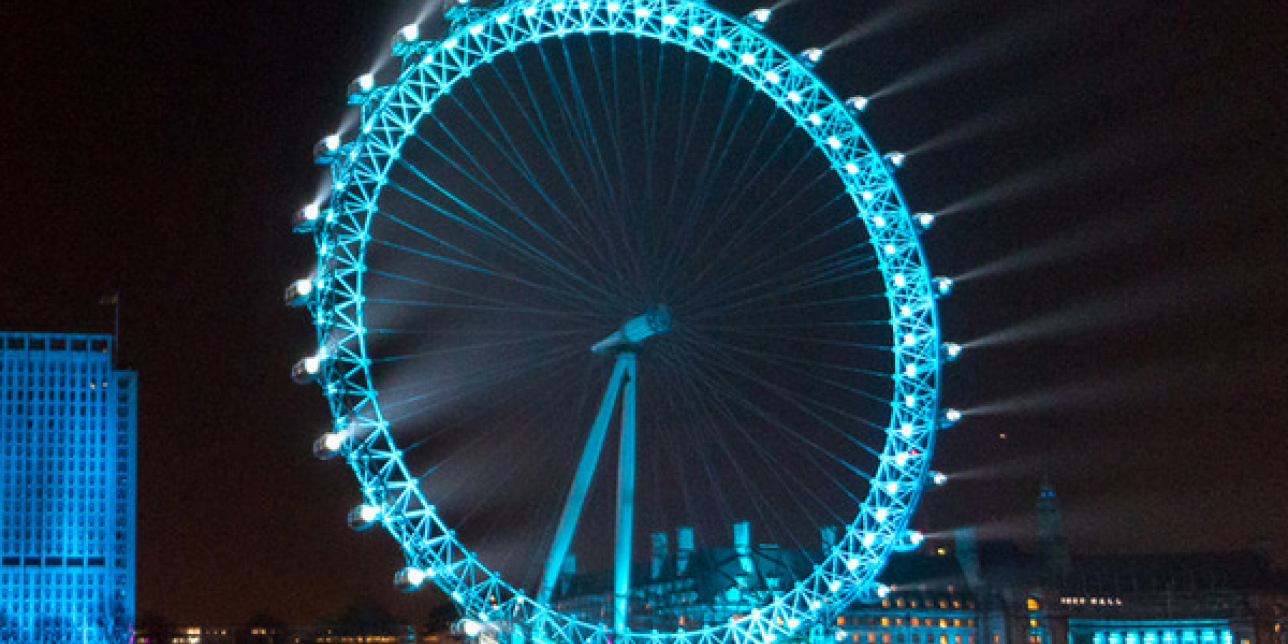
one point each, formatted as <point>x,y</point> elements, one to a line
<point>600,269</point>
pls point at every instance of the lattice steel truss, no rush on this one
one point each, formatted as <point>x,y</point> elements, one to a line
<point>335,298</point>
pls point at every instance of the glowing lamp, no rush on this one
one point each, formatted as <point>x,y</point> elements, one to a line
<point>857,103</point>
<point>939,479</point>
<point>760,17</point>
<point>812,56</point>
<point>409,33</point>
<point>324,152</point>
<point>909,540</point>
<point>307,369</point>
<point>896,159</point>
<point>361,88</point>
<point>328,445</point>
<point>943,286</point>
<point>363,516</point>
<point>951,350</point>
<point>949,418</point>
<point>409,579</point>
<point>873,593</point>
<point>468,627</point>
<point>298,292</point>
<point>306,219</point>
<point>925,220</point>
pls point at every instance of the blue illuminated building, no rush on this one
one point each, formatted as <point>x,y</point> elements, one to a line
<point>67,505</point>
<point>962,591</point>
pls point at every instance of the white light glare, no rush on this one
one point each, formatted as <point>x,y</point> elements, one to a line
<point>882,514</point>
<point>938,478</point>
<point>409,579</point>
<point>670,20</point>
<point>950,418</point>
<point>324,151</point>
<point>892,487</point>
<point>760,17</point>
<point>896,159</point>
<point>313,363</point>
<point>868,539</point>
<point>306,218</point>
<point>952,350</point>
<point>812,55</point>
<point>363,516</point>
<point>857,103</point>
<point>772,77</point>
<point>410,33</point>
<point>298,292</point>
<point>328,445</point>
<point>365,82</point>
<point>723,43</point>
<point>925,220</point>
<point>943,285</point>
<point>471,628</point>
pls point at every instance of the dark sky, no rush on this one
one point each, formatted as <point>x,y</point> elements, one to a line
<point>1112,172</point>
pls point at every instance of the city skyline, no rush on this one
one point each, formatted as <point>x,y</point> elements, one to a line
<point>1106,174</point>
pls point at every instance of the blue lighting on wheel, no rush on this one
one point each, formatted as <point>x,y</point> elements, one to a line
<point>343,310</point>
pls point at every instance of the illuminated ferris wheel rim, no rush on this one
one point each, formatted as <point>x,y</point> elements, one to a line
<point>360,171</point>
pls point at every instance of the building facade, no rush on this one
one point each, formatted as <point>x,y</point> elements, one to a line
<point>960,591</point>
<point>68,464</point>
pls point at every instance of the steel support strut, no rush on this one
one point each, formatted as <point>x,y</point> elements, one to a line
<point>624,343</point>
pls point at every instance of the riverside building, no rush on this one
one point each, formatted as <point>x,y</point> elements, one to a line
<point>68,427</point>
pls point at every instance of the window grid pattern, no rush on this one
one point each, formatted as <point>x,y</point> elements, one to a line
<point>67,488</point>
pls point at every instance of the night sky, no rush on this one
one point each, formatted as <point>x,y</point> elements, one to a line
<point>1111,175</point>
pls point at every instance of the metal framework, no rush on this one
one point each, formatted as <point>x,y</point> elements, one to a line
<point>335,298</point>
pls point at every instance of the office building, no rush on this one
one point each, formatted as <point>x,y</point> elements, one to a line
<point>67,494</point>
